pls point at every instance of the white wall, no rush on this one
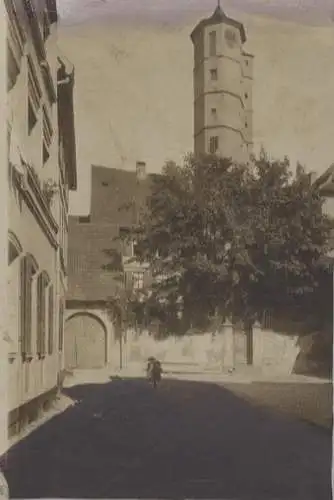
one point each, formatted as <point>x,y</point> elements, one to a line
<point>273,353</point>
<point>28,380</point>
<point>3,242</point>
<point>328,206</point>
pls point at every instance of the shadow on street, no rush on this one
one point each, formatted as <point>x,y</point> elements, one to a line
<point>184,440</point>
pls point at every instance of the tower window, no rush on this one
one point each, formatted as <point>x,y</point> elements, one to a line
<point>213,43</point>
<point>213,145</point>
<point>214,74</point>
<point>246,95</point>
<point>214,112</point>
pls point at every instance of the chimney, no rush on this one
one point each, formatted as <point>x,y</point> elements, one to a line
<point>141,170</point>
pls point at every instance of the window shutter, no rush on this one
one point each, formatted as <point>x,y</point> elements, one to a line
<point>39,315</point>
<point>43,313</point>
<point>50,337</point>
<point>147,279</point>
<point>28,313</point>
<point>61,326</point>
<point>23,297</point>
<point>128,280</point>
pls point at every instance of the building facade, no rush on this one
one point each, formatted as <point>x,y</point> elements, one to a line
<point>223,77</point>
<point>41,171</point>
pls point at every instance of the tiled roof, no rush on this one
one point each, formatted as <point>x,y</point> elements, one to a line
<point>325,179</point>
<point>94,247</point>
<point>114,189</point>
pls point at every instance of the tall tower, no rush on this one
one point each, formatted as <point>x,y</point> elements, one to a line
<point>223,76</point>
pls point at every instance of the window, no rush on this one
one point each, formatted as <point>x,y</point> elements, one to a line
<point>13,252</point>
<point>34,95</point>
<point>213,43</point>
<point>28,270</point>
<point>50,322</point>
<point>246,95</point>
<point>213,145</point>
<point>246,125</point>
<point>128,248</point>
<point>214,74</point>
<point>214,112</point>
<point>246,63</point>
<point>42,283</point>
<point>13,68</point>
<point>138,280</point>
<point>47,135</point>
<point>128,280</point>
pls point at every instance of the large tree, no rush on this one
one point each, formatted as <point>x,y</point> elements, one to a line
<point>233,240</point>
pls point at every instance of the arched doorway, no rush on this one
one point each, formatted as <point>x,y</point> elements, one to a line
<point>85,342</point>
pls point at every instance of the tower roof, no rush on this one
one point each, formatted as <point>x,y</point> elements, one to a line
<point>218,17</point>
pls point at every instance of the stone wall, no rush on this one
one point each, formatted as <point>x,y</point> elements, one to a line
<point>272,352</point>
<point>204,350</point>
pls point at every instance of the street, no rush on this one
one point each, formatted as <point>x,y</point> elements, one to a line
<point>184,440</point>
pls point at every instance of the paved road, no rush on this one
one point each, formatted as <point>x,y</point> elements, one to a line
<point>185,440</point>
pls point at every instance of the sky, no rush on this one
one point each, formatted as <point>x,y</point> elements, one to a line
<point>134,95</point>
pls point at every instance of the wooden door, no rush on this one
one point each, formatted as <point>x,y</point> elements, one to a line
<point>85,342</point>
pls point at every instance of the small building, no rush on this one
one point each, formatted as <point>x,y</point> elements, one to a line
<point>223,80</point>
<point>101,267</point>
<point>325,184</point>
<point>41,172</point>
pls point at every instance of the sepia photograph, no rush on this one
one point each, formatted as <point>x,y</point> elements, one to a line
<point>168,249</point>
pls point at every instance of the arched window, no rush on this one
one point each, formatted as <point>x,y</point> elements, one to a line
<point>29,268</point>
<point>14,248</point>
<point>42,284</point>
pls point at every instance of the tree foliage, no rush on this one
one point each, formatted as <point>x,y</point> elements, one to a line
<point>233,239</point>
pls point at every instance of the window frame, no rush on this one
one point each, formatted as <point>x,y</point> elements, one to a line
<point>138,280</point>
<point>214,71</point>
<point>213,43</point>
<point>213,144</point>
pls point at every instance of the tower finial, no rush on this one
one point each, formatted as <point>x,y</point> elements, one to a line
<point>218,8</point>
